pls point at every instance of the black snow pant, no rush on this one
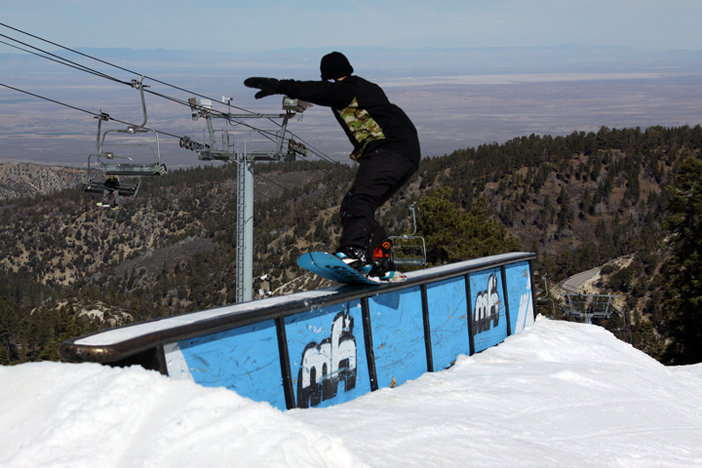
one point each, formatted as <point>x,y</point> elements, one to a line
<point>381,173</point>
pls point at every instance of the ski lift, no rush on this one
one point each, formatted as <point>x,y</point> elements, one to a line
<point>410,249</point>
<point>133,143</point>
<point>96,186</point>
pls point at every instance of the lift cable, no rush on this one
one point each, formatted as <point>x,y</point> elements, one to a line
<point>286,189</point>
<point>58,59</point>
<point>55,101</point>
<point>111,64</point>
<point>64,61</point>
<point>94,114</point>
<point>61,60</point>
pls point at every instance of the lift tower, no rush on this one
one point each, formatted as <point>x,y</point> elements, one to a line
<point>231,145</point>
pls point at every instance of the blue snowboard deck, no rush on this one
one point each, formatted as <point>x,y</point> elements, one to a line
<point>332,268</point>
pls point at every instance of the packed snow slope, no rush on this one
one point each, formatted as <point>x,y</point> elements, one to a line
<point>556,395</point>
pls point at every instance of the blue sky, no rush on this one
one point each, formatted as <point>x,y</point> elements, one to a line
<point>261,25</point>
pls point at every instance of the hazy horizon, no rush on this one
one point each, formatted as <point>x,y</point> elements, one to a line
<point>458,98</point>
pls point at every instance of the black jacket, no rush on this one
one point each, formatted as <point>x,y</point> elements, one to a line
<point>369,119</point>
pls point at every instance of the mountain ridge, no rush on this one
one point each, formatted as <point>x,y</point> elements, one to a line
<point>28,180</point>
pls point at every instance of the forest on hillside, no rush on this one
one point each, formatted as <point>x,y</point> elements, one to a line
<point>578,201</point>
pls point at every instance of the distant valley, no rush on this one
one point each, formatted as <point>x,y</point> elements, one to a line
<point>457,98</point>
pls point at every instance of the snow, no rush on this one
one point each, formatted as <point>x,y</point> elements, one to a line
<point>558,394</point>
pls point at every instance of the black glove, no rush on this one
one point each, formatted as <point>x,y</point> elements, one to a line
<point>268,86</point>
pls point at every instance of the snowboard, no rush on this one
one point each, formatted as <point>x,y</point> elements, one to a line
<point>333,268</point>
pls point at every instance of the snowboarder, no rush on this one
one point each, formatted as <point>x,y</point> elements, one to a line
<point>385,144</point>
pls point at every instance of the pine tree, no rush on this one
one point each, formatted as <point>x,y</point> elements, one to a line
<point>453,235</point>
<point>683,284</point>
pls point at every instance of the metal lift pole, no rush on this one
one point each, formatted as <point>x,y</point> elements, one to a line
<point>244,228</point>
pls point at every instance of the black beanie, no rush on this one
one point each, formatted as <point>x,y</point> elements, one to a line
<point>335,65</point>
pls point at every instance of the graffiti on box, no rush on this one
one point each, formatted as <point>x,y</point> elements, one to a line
<point>325,365</point>
<point>487,307</point>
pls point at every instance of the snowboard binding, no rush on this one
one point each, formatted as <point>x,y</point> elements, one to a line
<point>377,262</point>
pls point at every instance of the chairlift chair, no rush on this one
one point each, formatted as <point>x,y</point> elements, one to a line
<point>130,163</point>
<point>122,165</point>
<point>410,249</point>
<point>98,186</point>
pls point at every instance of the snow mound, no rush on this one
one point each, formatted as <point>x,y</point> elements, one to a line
<point>558,394</point>
<point>89,415</point>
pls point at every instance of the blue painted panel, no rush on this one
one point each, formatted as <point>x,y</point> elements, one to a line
<point>521,307</point>
<point>489,316</point>
<point>398,336</point>
<point>327,355</point>
<point>245,359</point>
<point>448,321</point>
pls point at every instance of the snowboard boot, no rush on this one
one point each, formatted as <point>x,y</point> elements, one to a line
<point>355,257</point>
<point>383,263</point>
